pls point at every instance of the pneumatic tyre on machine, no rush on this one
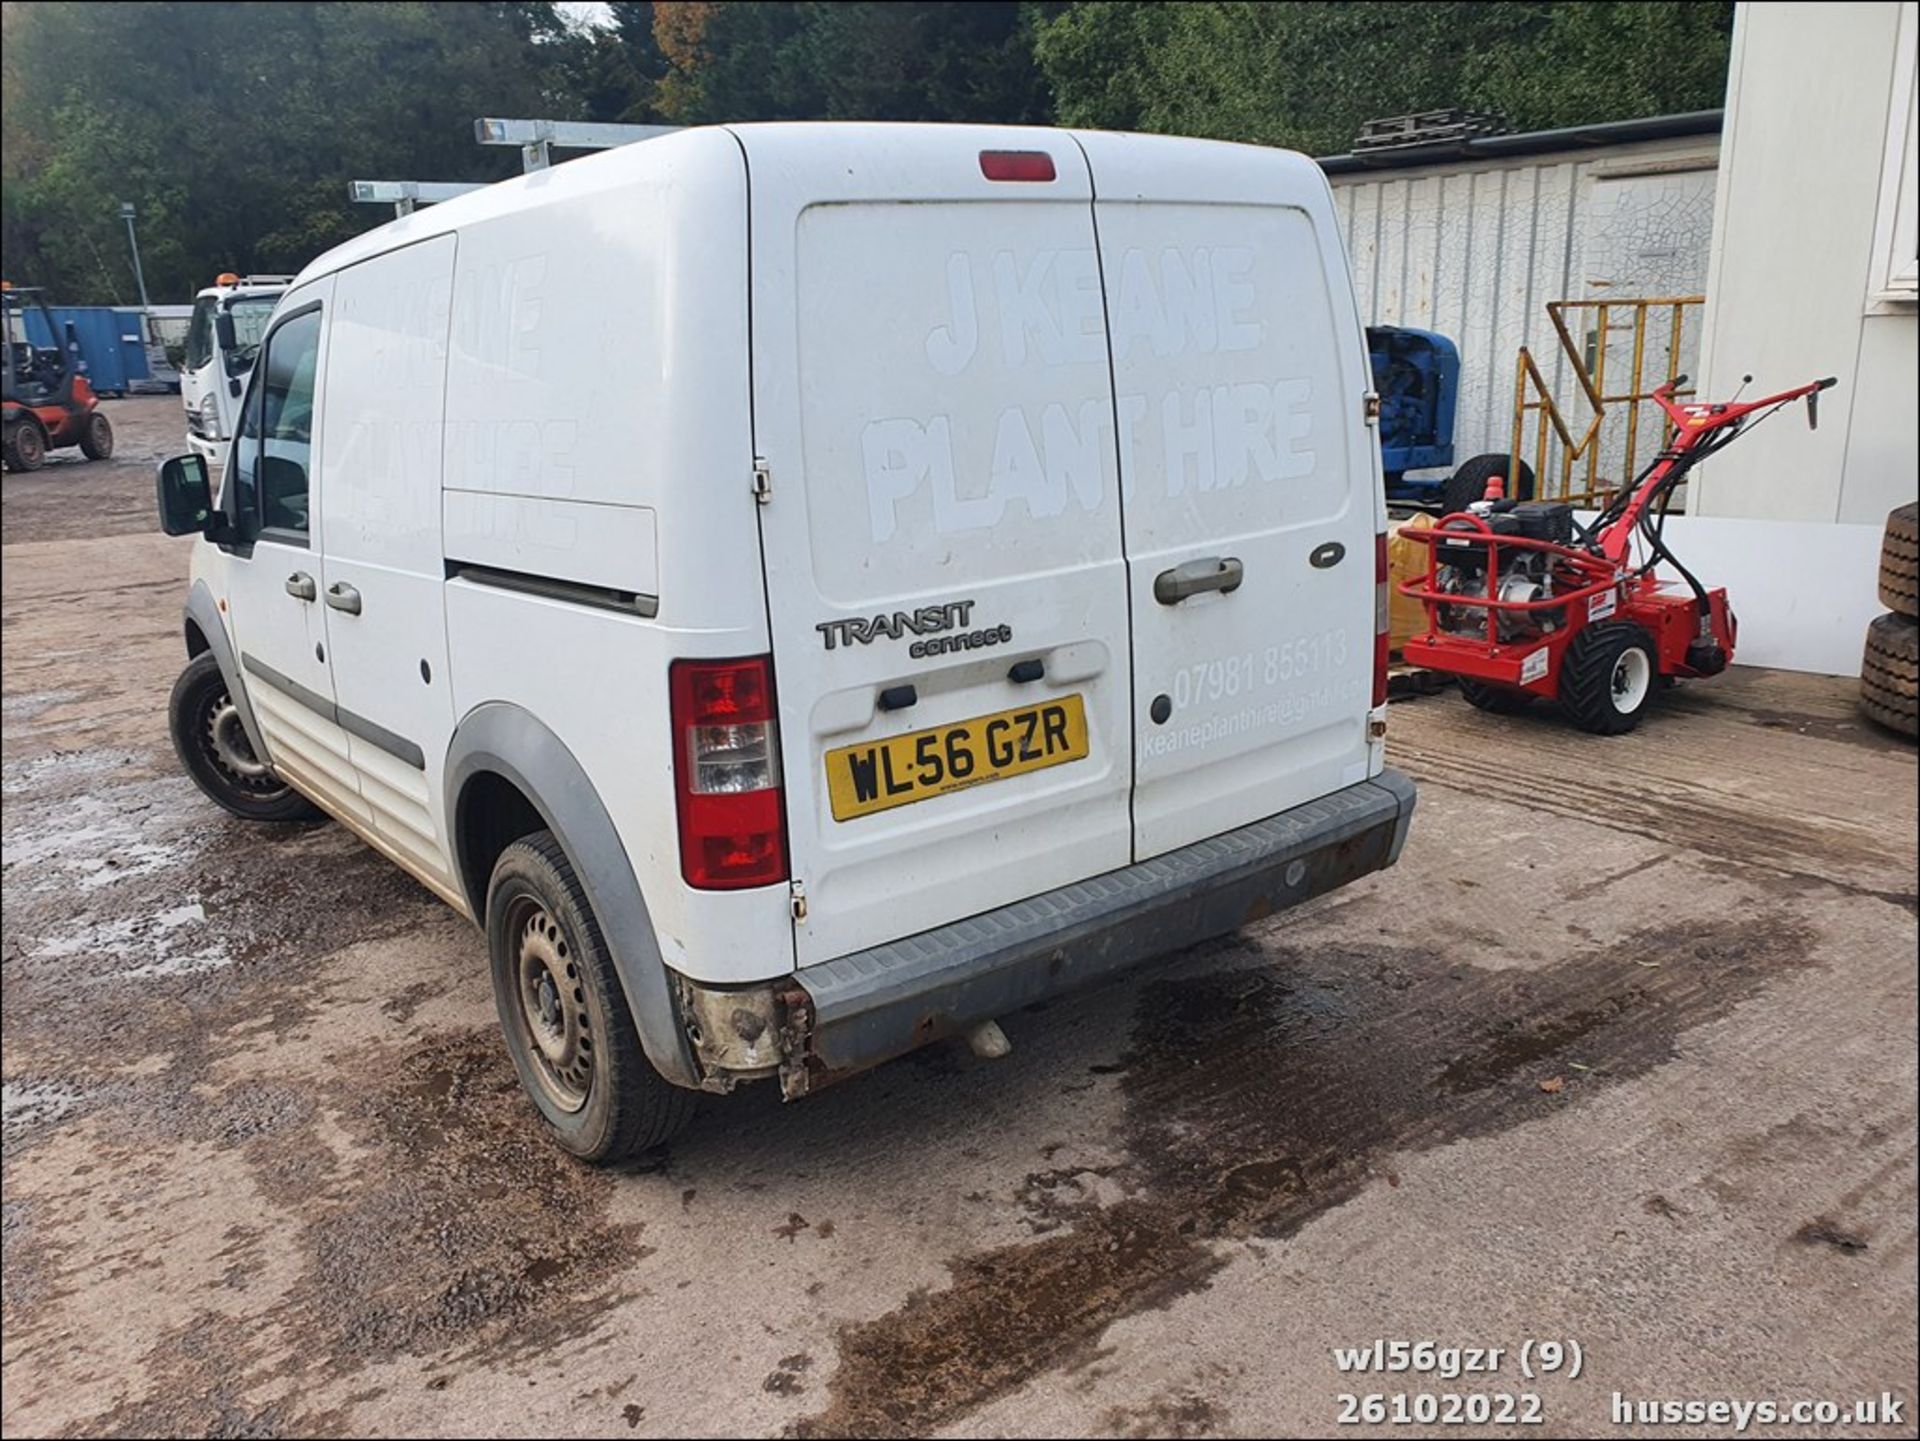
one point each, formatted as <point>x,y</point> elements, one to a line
<point>565,1015</point>
<point>24,446</point>
<point>1607,677</point>
<point>212,744</point>
<point>1495,699</point>
<point>1890,674</point>
<point>1469,482</point>
<point>96,439</point>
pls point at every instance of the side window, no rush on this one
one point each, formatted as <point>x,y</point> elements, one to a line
<point>200,333</point>
<point>286,424</point>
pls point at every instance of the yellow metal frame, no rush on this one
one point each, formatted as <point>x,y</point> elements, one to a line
<point>1532,394</point>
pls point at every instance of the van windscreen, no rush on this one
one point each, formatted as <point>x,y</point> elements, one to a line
<point>250,315</point>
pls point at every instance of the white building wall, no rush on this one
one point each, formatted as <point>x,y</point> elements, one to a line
<point>1475,250</point>
<point>1808,247</point>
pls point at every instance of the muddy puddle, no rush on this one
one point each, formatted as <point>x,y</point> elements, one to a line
<point>1363,1053</point>
<point>140,915</point>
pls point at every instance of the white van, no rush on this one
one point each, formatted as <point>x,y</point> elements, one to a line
<point>806,590</point>
<point>223,336</point>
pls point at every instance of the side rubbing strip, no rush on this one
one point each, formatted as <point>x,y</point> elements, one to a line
<point>397,746</point>
<point>601,597</point>
<point>311,699</point>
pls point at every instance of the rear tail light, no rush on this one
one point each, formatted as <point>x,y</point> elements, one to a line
<point>1382,618</point>
<point>726,773</point>
<point>1016,165</point>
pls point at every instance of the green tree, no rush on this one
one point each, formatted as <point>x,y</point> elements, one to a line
<point>1308,74</point>
<point>617,73</point>
<point>852,60</point>
<point>236,128</point>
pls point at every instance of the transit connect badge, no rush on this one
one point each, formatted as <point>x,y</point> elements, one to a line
<point>945,623</point>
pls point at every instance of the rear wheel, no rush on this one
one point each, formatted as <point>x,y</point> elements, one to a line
<point>565,1015</point>
<point>1494,699</point>
<point>96,437</point>
<point>24,447</point>
<point>212,744</point>
<point>1607,677</point>
<point>1469,482</point>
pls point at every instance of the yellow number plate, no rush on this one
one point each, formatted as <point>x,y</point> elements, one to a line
<point>879,775</point>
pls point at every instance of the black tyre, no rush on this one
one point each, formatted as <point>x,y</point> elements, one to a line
<point>212,744</point>
<point>24,446</point>
<point>1469,482</point>
<point>1900,562</point>
<point>1607,676</point>
<point>96,439</point>
<point>1890,674</point>
<point>564,1014</point>
<point>1494,699</point>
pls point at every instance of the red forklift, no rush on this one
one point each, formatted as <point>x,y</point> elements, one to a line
<point>1523,601</point>
<point>46,401</point>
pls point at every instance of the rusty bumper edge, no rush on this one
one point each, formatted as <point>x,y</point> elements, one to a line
<point>870,1006</point>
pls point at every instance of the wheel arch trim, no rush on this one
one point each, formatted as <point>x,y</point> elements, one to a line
<point>203,613</point>
<point>506,740</point>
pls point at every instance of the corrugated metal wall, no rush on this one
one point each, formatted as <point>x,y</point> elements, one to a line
<point>1476,252</point>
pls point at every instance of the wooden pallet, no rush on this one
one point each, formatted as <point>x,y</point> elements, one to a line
<point>1408,682</point>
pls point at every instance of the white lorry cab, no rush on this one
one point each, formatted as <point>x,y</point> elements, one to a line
<point>223,337</point>
<point>808,590</point>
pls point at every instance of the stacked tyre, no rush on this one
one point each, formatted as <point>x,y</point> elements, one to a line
<point>1890,669</point>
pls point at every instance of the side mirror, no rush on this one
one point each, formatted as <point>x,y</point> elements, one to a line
<point>223,328</point>
<point>185,497</point>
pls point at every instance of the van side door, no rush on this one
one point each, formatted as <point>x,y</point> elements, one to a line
<point>274,575</point>
<point>385,598</point>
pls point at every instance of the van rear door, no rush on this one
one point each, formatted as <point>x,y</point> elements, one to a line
<point>1251,487</point>
<point>941,528</point>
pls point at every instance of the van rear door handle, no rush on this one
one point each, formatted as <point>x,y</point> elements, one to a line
<point>342,596</point>
<point>1217,572</point>
<point>300,586</point>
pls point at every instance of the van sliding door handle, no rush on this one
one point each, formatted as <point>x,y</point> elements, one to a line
<point>300,586</point>
<point>342,596</point>
<point>1216,572</point>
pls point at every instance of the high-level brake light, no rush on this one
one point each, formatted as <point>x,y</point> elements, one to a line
<point>1016,165</point>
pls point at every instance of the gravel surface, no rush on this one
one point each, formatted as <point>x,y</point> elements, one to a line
<point>1623,1052</point>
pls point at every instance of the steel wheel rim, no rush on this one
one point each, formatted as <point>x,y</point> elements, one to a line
<point>224,741</point>
<point>1632,678</point>
<point>551,1005</point>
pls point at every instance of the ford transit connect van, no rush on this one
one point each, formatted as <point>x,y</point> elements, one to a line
<point>808,590</point>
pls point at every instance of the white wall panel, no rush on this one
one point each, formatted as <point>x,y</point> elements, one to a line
<point>1476,250</point>
<point>1811,143</point>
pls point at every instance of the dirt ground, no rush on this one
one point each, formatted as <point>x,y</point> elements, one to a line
<point>1623,1053</point>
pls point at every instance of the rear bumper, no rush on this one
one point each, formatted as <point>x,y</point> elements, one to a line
<point>865,1008</point>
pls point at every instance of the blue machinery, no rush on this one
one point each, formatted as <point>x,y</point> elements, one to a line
<point>1417,375</point>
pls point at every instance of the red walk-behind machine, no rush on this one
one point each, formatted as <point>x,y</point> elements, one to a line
<point>1522,601</point>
